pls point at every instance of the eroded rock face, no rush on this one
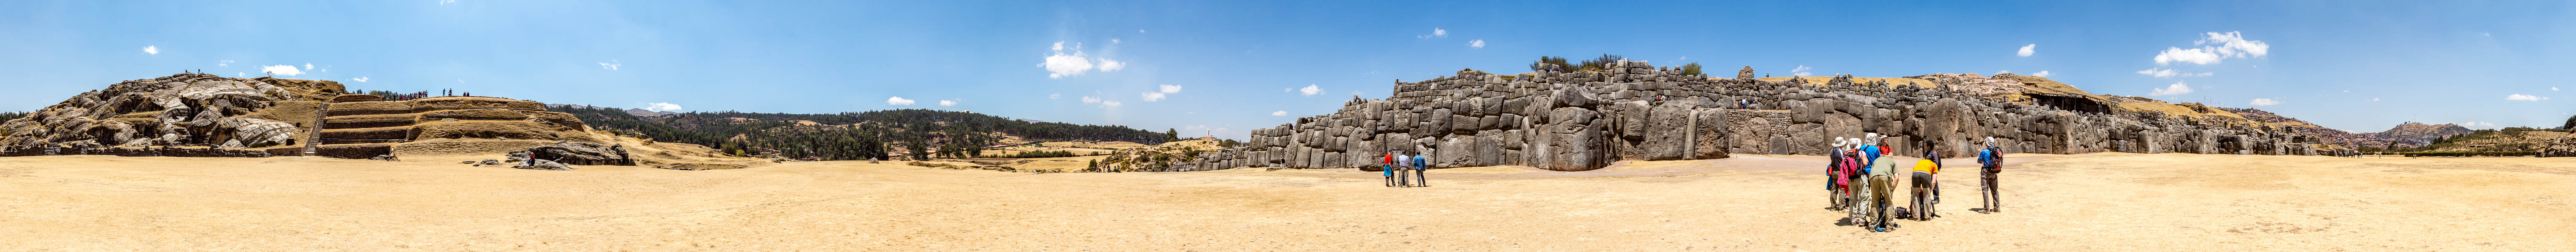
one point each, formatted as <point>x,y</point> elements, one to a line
<point>1575,121</point>
<point>182,109</point>
<point>582,153</point>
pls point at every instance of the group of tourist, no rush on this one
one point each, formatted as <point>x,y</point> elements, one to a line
<point>1406,170</point>
<point>1856,184</point>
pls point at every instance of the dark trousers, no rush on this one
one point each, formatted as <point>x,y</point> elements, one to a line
<point>1389,172</point>
<point>1994,198</point>
<point>1419,179</point>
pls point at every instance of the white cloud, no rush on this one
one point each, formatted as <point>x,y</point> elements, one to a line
<point>2001,72</point>
<point>1107,65</point>
<point>359,79</point>
<point>2158,73</point>
<point>445,2</point>
<point>2553,88</point>
<point>1140,30</point>
<point>2201,74</point>
<point>1435,33</point>
<point>1280,113</point>
<point>2265,102</point>
<point>1310,90</point>
<point>2374,99</point>
<point>2042,74</point>
<point>1110,104</point>
<point>2477,125</point>
<point>898,101</point>
<point>611,64</point>
<point>662,107</point>
<point>2175,89</point>
<point>947,103</point>
<point>153,50</point>
<point>1115,41</point>
<point>1477,44</point>
<point>2025,50</point>
<point>1800,71</point>
<point>287,70</point>
<point>1152,96</point>
<point>223,63</point>
<point>1060,64</point>
<point>308,66</point>
<point>2215,47</point>
<point>1055,95</point>
<point>2347,90</point>
<point>1090,100</point>
<point>1170,88</point>
<point>2521,97</point>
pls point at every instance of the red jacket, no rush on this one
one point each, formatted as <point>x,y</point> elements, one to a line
<point>1390,159</point>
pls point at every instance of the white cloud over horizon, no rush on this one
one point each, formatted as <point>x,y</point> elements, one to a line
<point>1435,33</point>
<point>2158,72</point>
<point>947,103</point>
<point>2264,102</point>
<point>1311,90</point>
<point>1110,104</point>
<point>662,107</point>
<point>153,50</point>
<point>359,79</point>
<point>285,70</point>
<point>1280,113</point>
<point>1060,64</point>
<point>2214,48</point>
<point>2042,73</point>
<point>2025,50</point>
<point>1477,44</point>
<point>898,101</point>
<point>1090,100</point>
<point>611,64</point>
<point>223,63</point>
<point>1167,89</point>
<point>1800,71</point>
<point>2478,125</point>
<point>1153,96</point>
<point>2176,89</point>
<point>2522,97</point>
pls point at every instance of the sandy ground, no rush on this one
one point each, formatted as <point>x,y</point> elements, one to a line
<point>2092,202</point>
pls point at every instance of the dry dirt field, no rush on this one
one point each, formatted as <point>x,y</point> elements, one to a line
<point>2092,202</point>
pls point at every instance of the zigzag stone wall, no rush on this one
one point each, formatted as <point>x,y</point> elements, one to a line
<point>1585,120</point>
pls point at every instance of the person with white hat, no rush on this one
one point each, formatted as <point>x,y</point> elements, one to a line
<point>1833,174</point>
<point>1993,161</point>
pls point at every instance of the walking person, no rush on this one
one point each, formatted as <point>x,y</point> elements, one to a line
<point>1388,168</point>
<point>1993,161</point>
<point>1421,162</point>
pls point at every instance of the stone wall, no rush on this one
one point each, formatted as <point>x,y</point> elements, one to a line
<point>1584,120</point>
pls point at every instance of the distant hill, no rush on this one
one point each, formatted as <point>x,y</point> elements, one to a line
<point>2419,131</point>
<point>851,135</point>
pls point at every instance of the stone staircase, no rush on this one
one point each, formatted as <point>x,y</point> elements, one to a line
<point>313,139</point>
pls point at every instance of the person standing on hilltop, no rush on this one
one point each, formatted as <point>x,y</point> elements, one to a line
<point>1389,168</point>
<point>1993,161</point>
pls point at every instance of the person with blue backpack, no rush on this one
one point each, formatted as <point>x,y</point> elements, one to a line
<point>1992,161</point>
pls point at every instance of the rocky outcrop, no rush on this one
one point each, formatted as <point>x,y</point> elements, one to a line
<point>2564,146</point>
<point>188,109</point>
<point>580,153</point>
<point>1584,120</point>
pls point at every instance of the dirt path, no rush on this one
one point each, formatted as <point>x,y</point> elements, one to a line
<point>1753,202</point>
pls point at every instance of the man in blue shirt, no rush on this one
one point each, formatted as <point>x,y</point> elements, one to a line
<point>1992,160</point>
<point>1421,162</point>
<point>1869,152</point>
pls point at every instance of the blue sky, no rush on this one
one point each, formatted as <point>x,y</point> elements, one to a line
<point>1234,66</point>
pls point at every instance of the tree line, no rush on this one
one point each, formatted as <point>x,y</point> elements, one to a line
<point>850,135</point>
